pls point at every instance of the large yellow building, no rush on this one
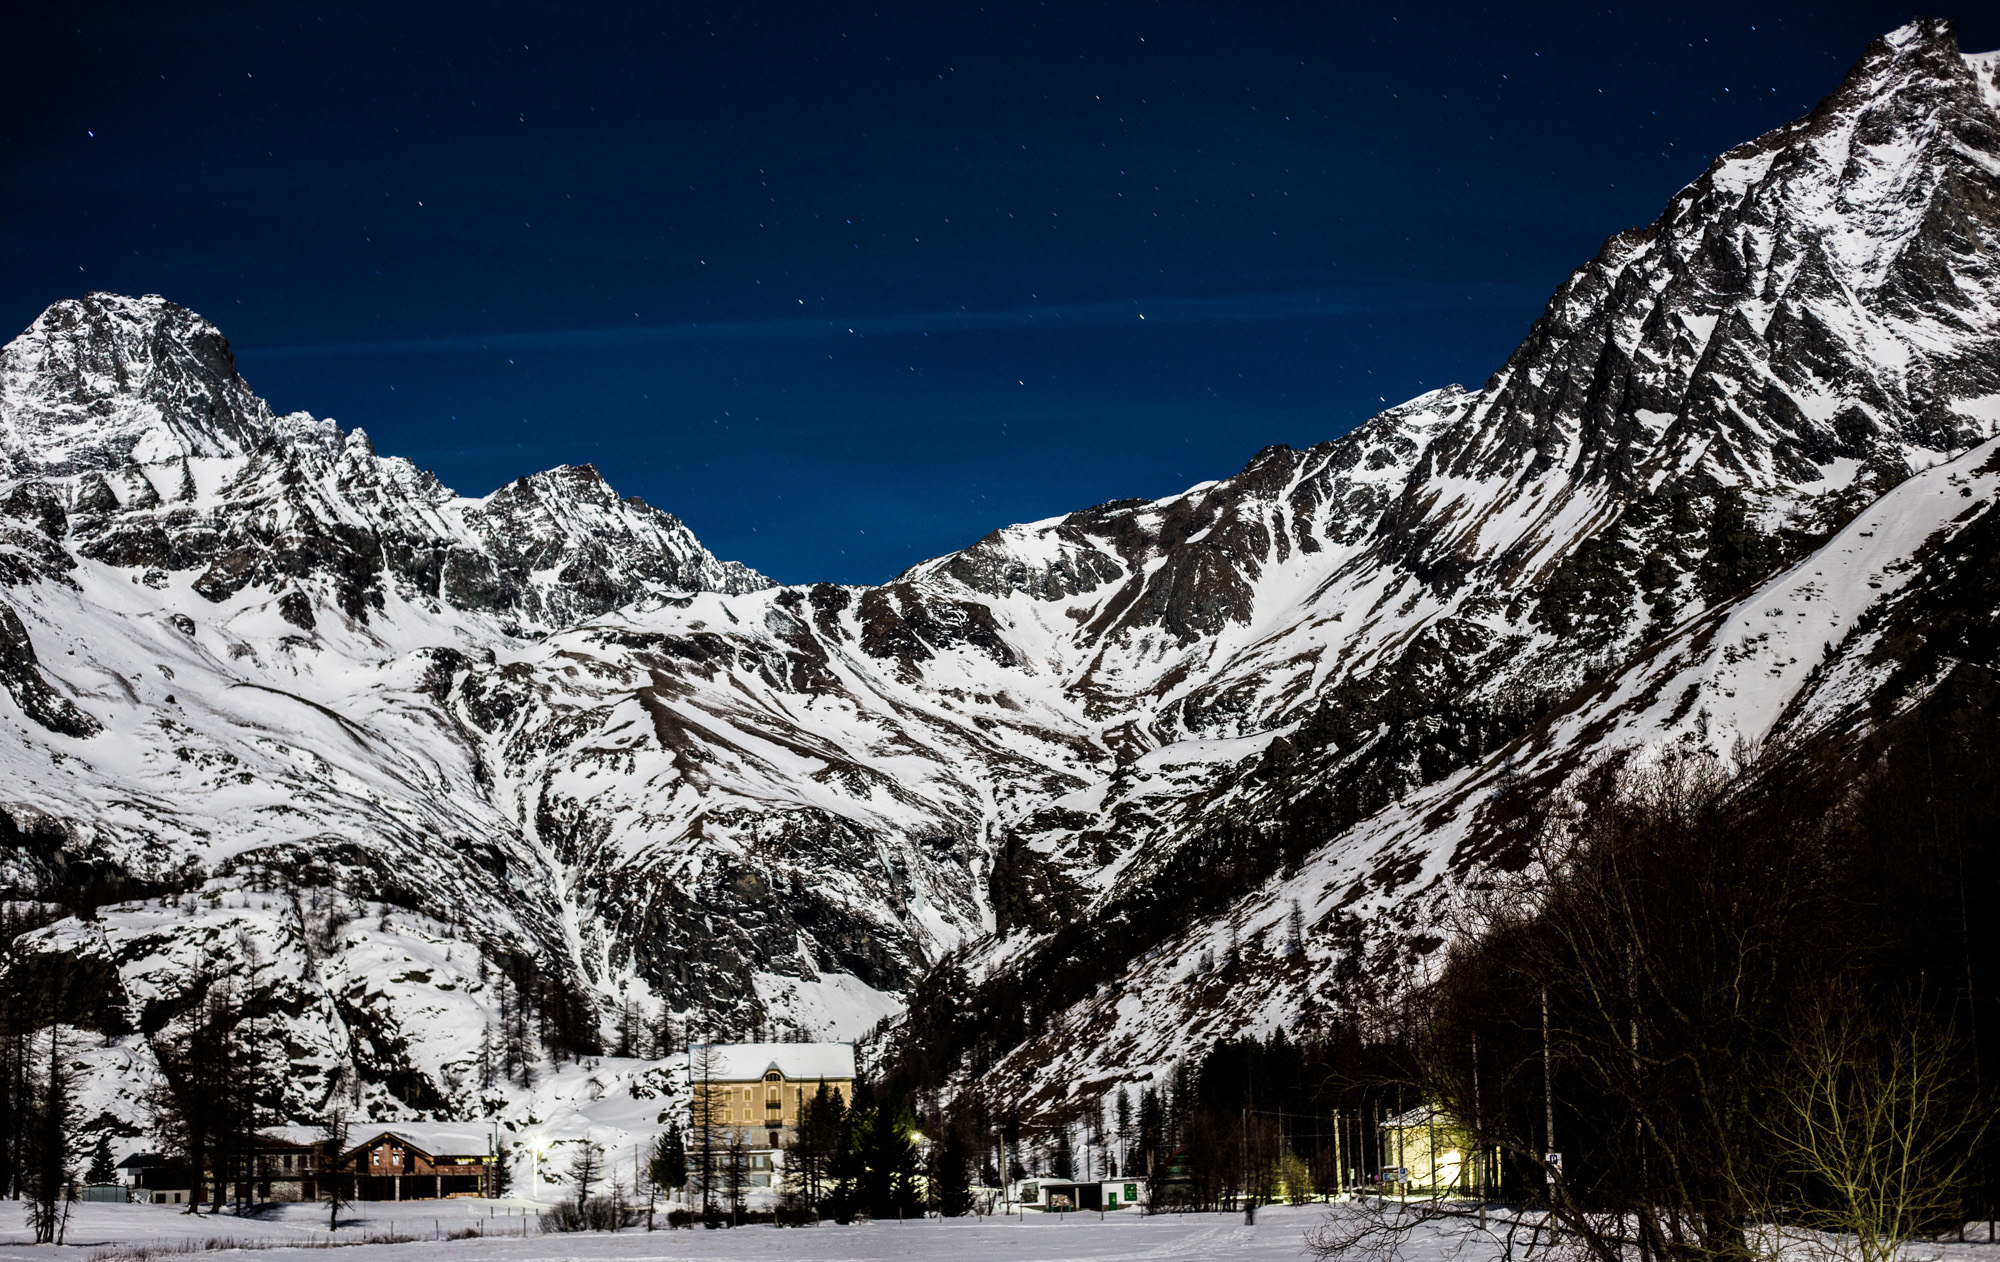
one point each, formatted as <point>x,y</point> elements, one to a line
<point>760,1087</point>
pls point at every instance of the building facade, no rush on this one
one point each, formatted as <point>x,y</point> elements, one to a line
<point>1427,1150</point>
<point>398,1161</point>
<point>417,1161</point>
<point>1058,1196</point>
<point>760,1088</point>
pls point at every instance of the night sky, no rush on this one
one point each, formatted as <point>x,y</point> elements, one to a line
<point>848,286</point>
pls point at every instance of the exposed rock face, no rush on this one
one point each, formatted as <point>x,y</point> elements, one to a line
<point>548,724</point>
<point>107,381</point>
<point>31,692</point>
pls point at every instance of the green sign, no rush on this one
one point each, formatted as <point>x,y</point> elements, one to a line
<point>1131,1193</point>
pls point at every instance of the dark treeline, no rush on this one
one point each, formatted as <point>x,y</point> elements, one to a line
<point>46,1009</point>
<point>222,1075</point>
<point>1281,1119</point>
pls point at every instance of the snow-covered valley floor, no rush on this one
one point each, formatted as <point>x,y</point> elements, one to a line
<point>107,1231</point>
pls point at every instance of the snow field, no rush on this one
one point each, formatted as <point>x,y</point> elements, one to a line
<point>108,1233</point>
<point>111,1231</point>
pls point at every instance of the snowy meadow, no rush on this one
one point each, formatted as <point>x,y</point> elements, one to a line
<point>140,1231</point>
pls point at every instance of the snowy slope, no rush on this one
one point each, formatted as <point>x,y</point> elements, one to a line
<point>1798,655</point>
<point>272,693</point>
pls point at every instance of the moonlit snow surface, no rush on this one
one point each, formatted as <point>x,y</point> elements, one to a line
<point>122,1230</point>
<point>112,1233</point>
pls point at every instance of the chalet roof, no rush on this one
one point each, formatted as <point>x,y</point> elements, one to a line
<point>799,1062</point>
<point>433,1139</point>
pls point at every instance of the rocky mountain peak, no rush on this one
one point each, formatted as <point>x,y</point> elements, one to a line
<point>127,436</point>
<point>104,380</point>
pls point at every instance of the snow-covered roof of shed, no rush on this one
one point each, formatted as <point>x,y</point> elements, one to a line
<point>798,1062</point>
<point>1422,1115</point>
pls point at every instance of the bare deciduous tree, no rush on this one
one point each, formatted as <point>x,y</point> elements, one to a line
<point>1875,1126</point>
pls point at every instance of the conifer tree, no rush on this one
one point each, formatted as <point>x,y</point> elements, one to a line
<point>951,1171</point>
<point>890,1169</point>
<point>816,1141</point>
<point>101,1168</point>
<point>1124,1107</point>
<point>586,1168</point>
<point>1063,1163</point>
<point>705,1120</point>
<point>736,1173</point>
<point>628,1026</point>
<point>48,1157</point>
<point>486,1057</point>
<point>332,1164</point>
<point>667,1165</point>
<point>847,1166</point>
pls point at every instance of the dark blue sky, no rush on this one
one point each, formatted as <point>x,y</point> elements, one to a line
<point>848,286</point>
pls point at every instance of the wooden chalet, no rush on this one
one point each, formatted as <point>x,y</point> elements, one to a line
<point>416,1161</point>
<point>393,1161</point>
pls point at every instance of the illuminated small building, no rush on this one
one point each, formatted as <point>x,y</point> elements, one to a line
<point>1426,1150</point>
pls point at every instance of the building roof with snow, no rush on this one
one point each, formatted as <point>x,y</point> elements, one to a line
<point>435,1138</point>
<point>798,1062</point>
<point>1424,1115</point>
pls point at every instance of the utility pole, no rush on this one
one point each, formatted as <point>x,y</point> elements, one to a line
<point>1249,1212</point>
<point>1402,1170</point>
<point>1431,1132</point>
<point>1478,1133</point>
<point>1548,1102</point>
<point>1339,1171</point>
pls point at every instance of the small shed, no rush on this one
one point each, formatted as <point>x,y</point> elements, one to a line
<point>1053,1195</point>
<point>155,1179</point>
<point>1428,1150</point>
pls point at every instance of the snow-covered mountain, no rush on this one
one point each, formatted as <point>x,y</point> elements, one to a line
<point>280,699</point>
